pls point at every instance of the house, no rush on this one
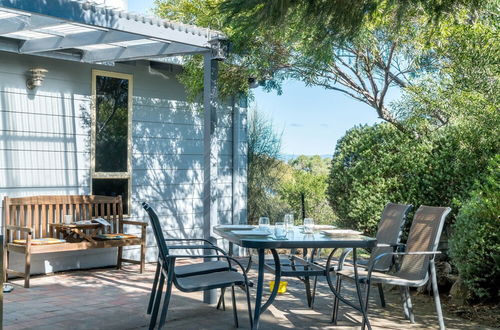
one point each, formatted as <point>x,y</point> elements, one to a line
<point>90,103</point>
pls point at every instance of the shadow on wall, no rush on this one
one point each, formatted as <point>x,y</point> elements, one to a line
<point>168,164</point>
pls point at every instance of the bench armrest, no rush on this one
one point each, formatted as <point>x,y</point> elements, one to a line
<point>18,228</point>
<point>135,223</point>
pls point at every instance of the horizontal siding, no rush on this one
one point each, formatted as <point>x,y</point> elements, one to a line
<point>43,160</point>
<point>10,178</point>
<point>45,143</point>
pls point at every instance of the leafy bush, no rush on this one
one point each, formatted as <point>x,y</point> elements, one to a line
<point>475,244</point>
<point>375,165</point>
<point>372,166</point>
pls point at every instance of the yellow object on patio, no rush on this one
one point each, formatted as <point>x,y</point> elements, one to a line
<point>281,288</point>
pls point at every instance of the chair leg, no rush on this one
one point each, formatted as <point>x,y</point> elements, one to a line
<point>143,259</point>
<point>402,293</point>
<point>27,269</point>
<point>5,265</point>
<point>119,258</point>
<point>153,289</point>
<point>249,306</point>
<point>336,302</point>
<point>314,291</point>
<point>166,302</point>
<point>221,299</point>
<point>381,294</point>
<point>409,305</point>
<point>435,292</point>
<point>235,310</point>
<point>158,294</point>
<point>367,299</point>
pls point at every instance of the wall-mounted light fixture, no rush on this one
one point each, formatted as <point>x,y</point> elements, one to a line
<point>37,75</point>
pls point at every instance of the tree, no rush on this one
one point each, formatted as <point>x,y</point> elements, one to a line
<point>308,181</point>
<point>311,164</point>
<point>265,171</point>
<point>342,19</point>
<point>366,66</point>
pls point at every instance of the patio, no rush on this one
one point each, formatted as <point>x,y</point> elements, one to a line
<point>117,299</point>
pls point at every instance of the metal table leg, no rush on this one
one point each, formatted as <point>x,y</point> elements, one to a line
<point>259,308</point>
<point>358,291</point>
<point>361,308</point>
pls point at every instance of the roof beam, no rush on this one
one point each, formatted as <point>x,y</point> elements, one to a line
<point>89,14</point>
<point>12,46</point>
<point>76,40</point>
<point>157,49</point>
<point>24,22</point>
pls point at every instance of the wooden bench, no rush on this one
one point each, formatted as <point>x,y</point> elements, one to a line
<point>29,218</point>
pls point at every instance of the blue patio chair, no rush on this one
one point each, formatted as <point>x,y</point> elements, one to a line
<point>192,283</point>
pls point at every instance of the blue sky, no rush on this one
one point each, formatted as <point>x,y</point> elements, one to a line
<point>311,119</point>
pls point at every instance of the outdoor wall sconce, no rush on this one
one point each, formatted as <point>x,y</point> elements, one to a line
<point>37,75</point>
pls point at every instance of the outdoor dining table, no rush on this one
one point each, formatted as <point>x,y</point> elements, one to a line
<point>296,239</point>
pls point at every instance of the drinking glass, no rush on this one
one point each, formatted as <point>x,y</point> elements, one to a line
<point>279,230</point>
<point>289,221</point>
<point>308,225</point>
<point>68,218</point>
<point>264,223</point>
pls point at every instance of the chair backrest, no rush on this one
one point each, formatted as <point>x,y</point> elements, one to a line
<point>389,232</point>
<point>38,212</point>
<point>424,235</point>
<point>157,231</point>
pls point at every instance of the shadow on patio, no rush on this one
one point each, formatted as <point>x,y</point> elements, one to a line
<point>117,299</point>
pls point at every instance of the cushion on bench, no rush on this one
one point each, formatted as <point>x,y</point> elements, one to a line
<point>114,236</point>
<point>40,241</point>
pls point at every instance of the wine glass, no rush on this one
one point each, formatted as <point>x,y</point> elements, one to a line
<point>279,230</point>
<point>264,223</point>
<point>308,225</point>
<point>289,223</point>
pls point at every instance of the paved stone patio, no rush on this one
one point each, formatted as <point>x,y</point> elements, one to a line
<point>117,299</point>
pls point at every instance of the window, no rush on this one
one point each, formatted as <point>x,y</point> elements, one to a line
<point>111,135</point>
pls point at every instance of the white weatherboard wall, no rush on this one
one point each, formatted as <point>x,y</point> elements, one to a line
<point>45,149</point>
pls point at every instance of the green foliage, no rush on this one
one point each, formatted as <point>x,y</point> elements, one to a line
<point>311,164</point>
<point>309,178</point>
<point>265,171</point>
<point>340,19</point>
<point>475,245</point>
<point>372,166</point>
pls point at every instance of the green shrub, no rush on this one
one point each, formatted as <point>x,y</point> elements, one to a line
<point>371,166</point>
<point>475,243</point>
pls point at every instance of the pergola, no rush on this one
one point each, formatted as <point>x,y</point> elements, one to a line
<point>85,32</point>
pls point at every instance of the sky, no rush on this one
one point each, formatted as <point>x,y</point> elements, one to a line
<point>310,119</point>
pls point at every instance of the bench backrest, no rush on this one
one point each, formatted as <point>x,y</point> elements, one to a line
<point>37,212</point>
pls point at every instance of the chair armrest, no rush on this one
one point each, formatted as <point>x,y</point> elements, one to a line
<point>373,262</point>
<point>343,258</point>
<point>197,247</point>
<point>228,258</point>
<point>18,228</point>
<point>135,223</point>
<point>189,240</point>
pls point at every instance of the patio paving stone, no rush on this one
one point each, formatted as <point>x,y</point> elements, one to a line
<point>117,299</point>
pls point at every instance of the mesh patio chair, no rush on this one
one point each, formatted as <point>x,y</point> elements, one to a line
<point>416,262</point>
<point>200,268</point>
<point>389,232</point>
<point>388,237</point>
<point>191,283</point>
